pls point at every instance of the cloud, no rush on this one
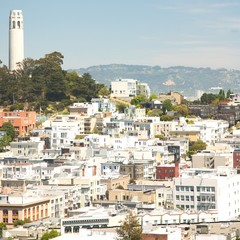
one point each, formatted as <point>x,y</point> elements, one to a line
<point>224,5</point>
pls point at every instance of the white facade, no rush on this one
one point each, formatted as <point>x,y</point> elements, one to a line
<point>27,148</point>
<point>199,189</point>
<point>16,43</point>
<point>124,88</point>
<point>87,109</point>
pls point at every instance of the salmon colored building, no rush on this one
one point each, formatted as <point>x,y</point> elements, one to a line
<point>22,121</point>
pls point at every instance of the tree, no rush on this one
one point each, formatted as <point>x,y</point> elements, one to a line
<point>104,91</point>
<point>167,106</point>
<point>121,107</point>
<point>130,228</point>
<point>194,147</point>
<point>166,118</point>
<point>4,141</point>
<point>182,109</point>
<point>9,129</point>
<point>154,113</point>
<point>138,99</point>
<point>153,96</point>
<point>49,235</point>
<point>208,98</point>
<point>228,93</point>
<point>2,227</point>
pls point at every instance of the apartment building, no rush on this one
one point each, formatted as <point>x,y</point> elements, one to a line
<point>20,207</point>
<point>204,189</point>
<point>22,121</point>
<point>125,88</point>
<point>27,148</point>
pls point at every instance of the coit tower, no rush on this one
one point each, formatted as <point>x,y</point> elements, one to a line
<point>16,44</point>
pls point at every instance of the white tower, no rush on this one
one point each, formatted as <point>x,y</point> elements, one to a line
<point>16,44</point>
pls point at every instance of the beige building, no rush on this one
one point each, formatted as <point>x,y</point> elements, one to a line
<point>146,197</point>
<point>114,182</point>
<point>192,135</point>
<point>175,97</point>
<point>13,208</point>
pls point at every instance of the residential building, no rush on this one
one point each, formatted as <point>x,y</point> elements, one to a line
<point>19,207</point>
<point>175,97</point>
<point>167,171</point>
<point>27,148</point>
<point>104,104</point>
<point>22,121</point>
<point>203,189</point>
<point>125,88</point>
<point>114,181</point>
<point>84,109</point>
<point>123,195</point>
<point>212,159</point>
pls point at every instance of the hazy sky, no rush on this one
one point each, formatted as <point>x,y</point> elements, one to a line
<point>199,33</point>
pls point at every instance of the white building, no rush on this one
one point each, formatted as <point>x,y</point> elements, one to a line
<point>125,88</point>
<point>16,43</point>
<point>203,189</point>
<point>27,148</point>
<point>86,109</point>
<point>104,104</point>
<point>210,130</point>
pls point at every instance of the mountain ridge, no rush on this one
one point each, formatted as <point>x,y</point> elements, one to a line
<point>179,78</point>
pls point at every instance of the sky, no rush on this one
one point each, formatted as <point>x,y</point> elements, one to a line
<point>194,33</point>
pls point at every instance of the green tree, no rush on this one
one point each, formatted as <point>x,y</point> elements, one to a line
<point>228,93</point>
<point>208,98</point>
<point>182,109</point>
<point>4,142</point>
<point>138,99</point>
<point>18,222</point>
<point>9,129</point>
<point>153,96</point>
<point>2,227</point>
<point>221,94</point>
<point>167,106</point>
<point>121,107</point>
<point>194,147</point>
<point>130,228</point>
<point>50,235</point>
<point>166,118</point>
<point>104,91</point>
<point>154,113</point>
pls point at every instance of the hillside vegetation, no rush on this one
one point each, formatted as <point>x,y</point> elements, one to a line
<point>41,84</point>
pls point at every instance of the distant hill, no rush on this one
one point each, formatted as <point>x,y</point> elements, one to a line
<point>182,79</point>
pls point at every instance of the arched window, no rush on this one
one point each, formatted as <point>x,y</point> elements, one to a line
<point>18,24</point>
<point>13,24</point>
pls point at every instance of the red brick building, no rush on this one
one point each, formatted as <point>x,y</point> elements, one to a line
<point>168,171</point>
<point>22,121</point>
<point>236,159</point>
